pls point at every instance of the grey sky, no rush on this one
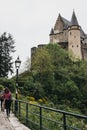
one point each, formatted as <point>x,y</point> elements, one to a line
<point>30,21</point>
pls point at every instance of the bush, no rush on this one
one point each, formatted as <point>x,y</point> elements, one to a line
<point>1,87</point>
<point>31,98</point>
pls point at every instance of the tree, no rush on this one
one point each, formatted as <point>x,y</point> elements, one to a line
<point>42,70</point>
<point>41,61</point>
<point>27,65</point>
<point>6,48</point>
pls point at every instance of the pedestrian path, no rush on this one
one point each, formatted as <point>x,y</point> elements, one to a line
<point>5,123</point>
<point>10,123</point>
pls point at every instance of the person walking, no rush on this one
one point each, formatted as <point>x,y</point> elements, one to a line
<point>2,102</point>
<point>7,101</point>
<point>2,99</point>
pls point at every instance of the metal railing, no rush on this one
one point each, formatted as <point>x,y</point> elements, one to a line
<point>38,117</point>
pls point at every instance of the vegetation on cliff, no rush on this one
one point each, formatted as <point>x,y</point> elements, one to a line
<point>56,77</point>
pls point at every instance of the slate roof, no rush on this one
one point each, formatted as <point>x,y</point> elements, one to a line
<point>67,23</point>
<point>52,32</point>
<point>74,20</point>
<point>82,33</point>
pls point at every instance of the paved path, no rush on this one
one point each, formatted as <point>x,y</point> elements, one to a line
<point>11,123</point>
<point>5,123</point>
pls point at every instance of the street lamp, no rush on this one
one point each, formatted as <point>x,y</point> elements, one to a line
<point>17,66</point>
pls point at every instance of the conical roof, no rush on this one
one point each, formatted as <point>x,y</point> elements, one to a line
<point>52,32</point>
<point>74,20</point>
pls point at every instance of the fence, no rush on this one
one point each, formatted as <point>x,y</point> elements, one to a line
<point>38,117</point>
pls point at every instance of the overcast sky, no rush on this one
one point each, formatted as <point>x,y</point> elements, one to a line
<point>30,21</point>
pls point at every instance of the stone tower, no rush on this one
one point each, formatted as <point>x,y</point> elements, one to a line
<point>74,42</point>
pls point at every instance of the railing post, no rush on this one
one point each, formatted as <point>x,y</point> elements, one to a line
<point>40,118</point>
<point>26,113</point>
<point>12,106</point>
<point>64,121</point>
<point>19,108</point>
<point>16,106</point>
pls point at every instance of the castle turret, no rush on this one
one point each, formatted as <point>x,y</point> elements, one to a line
<point>74,43</point>
<point>51,35</point>
<point>74,20</point>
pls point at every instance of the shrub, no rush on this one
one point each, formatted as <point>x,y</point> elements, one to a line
<point>31,98</point>
<point>1,87</point>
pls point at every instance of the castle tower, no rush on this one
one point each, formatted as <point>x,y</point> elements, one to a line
<point>74,42</point>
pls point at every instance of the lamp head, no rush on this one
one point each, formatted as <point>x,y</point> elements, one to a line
<point>17,63</point>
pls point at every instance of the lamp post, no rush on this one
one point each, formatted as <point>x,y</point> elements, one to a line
<point>17,66</point>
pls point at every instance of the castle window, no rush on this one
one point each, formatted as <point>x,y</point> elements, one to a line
<point>72,45</point>
<point>77,46</point>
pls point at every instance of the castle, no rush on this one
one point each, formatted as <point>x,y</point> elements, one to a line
<point>70,35</point>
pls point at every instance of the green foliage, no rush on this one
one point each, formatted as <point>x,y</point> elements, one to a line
<point>57,77</point>
<point>8,83</point>
<point>52,120</point>
<point>41,61</point>
<point>1,87</point>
